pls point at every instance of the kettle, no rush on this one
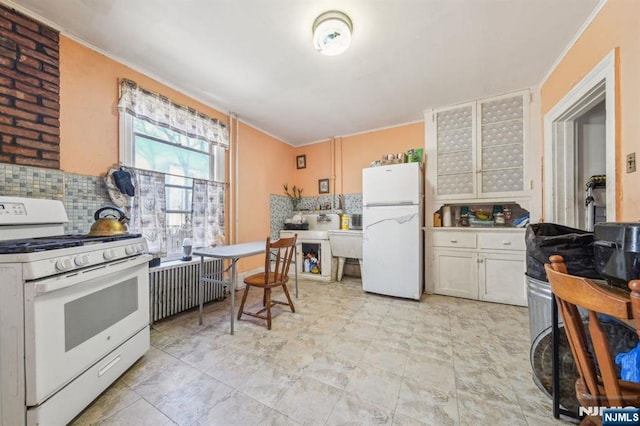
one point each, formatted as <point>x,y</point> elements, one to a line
<point>110,224</point>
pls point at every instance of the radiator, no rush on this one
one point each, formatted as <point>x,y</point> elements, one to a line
<point>174,288</point>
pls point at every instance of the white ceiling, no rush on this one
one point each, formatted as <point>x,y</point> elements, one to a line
<point>255,57</point>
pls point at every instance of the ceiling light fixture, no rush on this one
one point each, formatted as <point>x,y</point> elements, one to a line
<point>332,33</point>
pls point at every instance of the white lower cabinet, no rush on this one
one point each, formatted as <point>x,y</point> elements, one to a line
<point>455,273</point>
<point>486,265</point>
<point>501,278</point>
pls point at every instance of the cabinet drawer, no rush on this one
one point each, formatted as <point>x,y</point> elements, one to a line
<point>454,239</point>
<point>501,241</point>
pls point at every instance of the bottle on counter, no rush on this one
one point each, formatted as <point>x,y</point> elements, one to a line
<point>507,213</point>
<point>446,216</point>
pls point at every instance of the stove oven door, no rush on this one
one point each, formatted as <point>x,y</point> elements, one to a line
<point>72,320</point>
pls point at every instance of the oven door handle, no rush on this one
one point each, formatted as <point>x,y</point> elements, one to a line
<point>81,276</point>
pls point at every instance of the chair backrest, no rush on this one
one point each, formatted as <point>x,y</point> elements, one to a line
<point>278,258</point>
<point>571,292</point>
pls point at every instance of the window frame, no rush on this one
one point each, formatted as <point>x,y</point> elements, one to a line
<point>216,154</point>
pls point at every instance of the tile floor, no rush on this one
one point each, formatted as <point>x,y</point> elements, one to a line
<point>344,357</point>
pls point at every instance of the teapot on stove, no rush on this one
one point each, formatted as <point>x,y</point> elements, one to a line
<point>108,224</point>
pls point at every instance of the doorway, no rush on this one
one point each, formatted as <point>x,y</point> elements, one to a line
<point>580,143</point>
<point>590,191</point>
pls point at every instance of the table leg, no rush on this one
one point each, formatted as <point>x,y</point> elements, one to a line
<point>233,290</point>
<point>295,267</point>
<point>201,288</point>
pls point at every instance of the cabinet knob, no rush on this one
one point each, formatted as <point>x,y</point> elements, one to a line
<point>480,260</point>
<point>453,241</point>
<point>506,243</point>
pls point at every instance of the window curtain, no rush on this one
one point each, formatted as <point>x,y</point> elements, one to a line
<point>148,214</point>
<point>208,213</point>
<point>161,111</point>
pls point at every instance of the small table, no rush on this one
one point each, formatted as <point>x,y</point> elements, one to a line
<point>233,252</point>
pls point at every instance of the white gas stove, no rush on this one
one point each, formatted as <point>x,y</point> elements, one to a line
<point>74,312</point>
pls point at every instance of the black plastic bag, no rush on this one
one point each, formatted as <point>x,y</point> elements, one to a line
<point>574,245</point>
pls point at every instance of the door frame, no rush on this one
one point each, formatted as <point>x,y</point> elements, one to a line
<point>560,143</point>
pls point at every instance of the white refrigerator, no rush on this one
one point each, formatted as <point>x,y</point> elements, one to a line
<point>392,234</point>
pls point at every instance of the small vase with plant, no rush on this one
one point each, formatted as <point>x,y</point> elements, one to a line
<point>295,195</point>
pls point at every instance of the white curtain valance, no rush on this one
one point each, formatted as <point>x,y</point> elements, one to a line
<point>161,111</point>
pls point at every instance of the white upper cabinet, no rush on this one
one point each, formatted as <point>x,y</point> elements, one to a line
<point>456,151</point>
<point>476,150</point>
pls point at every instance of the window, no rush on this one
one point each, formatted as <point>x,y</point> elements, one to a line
<point>183,157</point>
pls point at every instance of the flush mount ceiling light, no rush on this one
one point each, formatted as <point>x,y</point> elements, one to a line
<point>332,33</point>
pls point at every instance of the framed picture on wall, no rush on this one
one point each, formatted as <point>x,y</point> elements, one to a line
<point>301,162</point>
<point>323,186</point>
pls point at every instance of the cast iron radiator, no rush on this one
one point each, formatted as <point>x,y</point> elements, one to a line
<point>174,288</point>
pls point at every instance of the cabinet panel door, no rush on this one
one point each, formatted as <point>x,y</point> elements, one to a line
<point>456,152</point>
<point>502,125</point>
<point>455,273</point>
<point>502,278</point>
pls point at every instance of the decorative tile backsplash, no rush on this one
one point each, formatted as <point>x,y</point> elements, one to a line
<point>81,195</point>
<point>281,209</point>
<point>31,182</point>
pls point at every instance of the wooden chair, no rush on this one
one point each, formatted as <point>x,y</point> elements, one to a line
<point>276,269</point>
<point>598,384</point>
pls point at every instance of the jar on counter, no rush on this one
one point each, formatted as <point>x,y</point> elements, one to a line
<point>499,219</point>
<point>437,221</point>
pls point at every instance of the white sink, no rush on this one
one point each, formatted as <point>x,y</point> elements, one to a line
<point>345,243</point>
<point>306,235</point>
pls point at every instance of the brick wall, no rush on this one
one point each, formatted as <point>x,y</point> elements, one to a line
<point>29,91</point>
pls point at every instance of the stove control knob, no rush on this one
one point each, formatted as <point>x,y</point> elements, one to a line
<point>81,260</point>
<point>130,250</point>
<point>109,254</point>
<point>141,248</point>
<point>64,264</point>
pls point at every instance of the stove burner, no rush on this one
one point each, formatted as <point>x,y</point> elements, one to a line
<point>31,245</point>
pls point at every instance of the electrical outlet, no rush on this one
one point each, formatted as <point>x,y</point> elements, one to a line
<point>631,162</point>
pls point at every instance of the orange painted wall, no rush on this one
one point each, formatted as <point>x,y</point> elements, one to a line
<point>88,107</point>
<point>318,161</point>
<point>359,151</point>
<point>352,154</point>
<point>616,26</point>
<point>265,164</point>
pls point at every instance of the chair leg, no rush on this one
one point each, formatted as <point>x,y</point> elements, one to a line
<point>286,293</point>
<point>244,299</point>
<point>267,296</point>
